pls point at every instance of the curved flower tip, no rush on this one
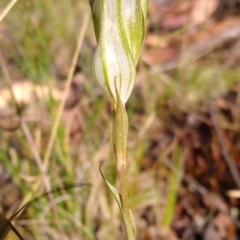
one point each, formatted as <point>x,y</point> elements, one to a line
<point>120,27</point>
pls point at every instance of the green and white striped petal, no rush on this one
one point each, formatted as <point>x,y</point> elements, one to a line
<point>120,29</point>
<point>134,13</point>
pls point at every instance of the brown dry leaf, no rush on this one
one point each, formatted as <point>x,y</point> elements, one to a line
<point>21,90</point>
<point>169,234</point>
<point>24,92</point>
<point>172,22</point>
<point>223,223</point>
<point>215,201</point>
<point>202,10</point>
<point>211,233</point>
<point>154,40</point>
<point>220,27</point>
<point>235,193</point>
<point>161,55</point>
<point>223,104</point>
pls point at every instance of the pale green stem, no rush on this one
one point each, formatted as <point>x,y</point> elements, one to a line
<point>122,176</point>
<point>120,130</point>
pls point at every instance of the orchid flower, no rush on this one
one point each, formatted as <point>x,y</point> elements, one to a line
<point>120,27</point>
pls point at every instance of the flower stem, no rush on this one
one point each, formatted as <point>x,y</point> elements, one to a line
<point>121,170</point>
<point>120,130</point>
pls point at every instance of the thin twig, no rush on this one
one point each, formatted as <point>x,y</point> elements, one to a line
<point>38,160</point>
<point>7,9</point>
<point>65,94</point>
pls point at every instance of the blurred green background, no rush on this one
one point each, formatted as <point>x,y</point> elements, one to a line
<point>186,61</point>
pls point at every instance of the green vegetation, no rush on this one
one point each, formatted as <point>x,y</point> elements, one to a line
<point>37,42</point>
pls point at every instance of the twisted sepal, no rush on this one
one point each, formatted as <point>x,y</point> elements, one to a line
<point>128,219</point>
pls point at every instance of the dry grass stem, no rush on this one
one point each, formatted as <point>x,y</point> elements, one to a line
<point>7,9</point>
<point>65,94</point>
